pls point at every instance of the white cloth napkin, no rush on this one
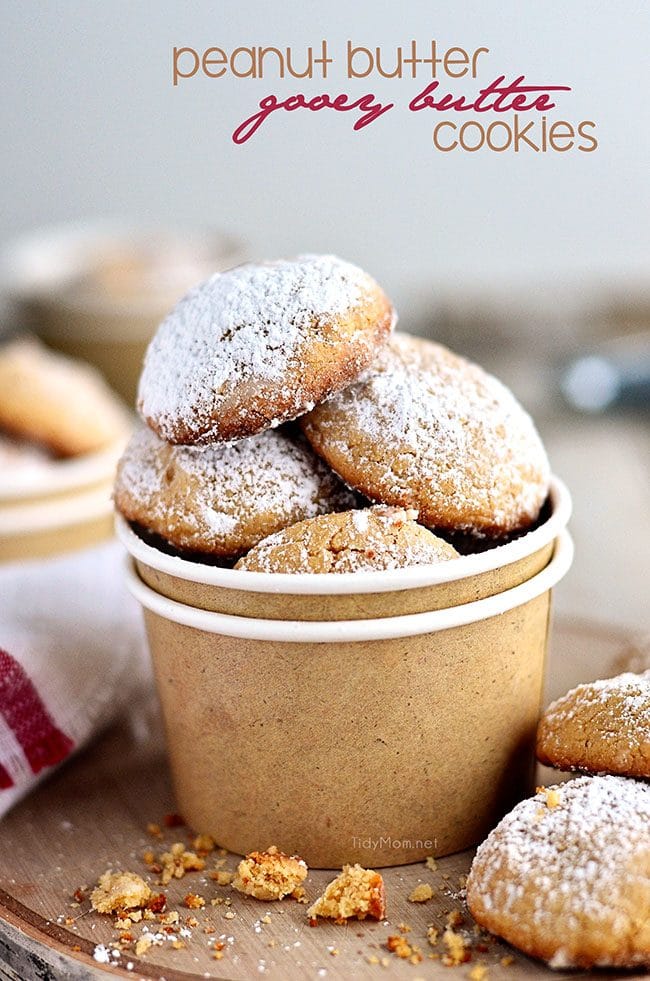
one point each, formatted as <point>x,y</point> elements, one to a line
<point>72,656</point>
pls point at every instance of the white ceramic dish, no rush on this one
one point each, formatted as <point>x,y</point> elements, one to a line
<point>32,517</point>
<point>53,477</point>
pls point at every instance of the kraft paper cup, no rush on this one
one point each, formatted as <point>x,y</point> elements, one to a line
<point>351,595</point>
<point>372,740</point>
<point>98,290</point>
<point>57,506</point>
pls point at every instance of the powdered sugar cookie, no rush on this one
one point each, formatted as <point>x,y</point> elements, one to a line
<point>259,345</point>
<point>426,429</point>
<point>600,727</point>
<point>566,875</point>
<point>56,402</point>
<point>352,541</point>
<point>221,500</point>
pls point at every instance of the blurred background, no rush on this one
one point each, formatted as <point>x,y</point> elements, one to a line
<point>120,190</point>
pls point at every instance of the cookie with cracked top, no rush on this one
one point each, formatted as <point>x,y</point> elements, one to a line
<point>350,541</point>
<point>424,428</point>
<point>600,727</point>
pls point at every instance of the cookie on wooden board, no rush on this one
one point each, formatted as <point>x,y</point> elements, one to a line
<point>565,876</point>
<point>600,727</point>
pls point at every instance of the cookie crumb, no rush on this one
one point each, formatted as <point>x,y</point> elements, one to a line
<point>399,946</point>
<point>421,894</point>
<point>194,901</point>
<point>457,950</point>
<point>552,795</point>
<point>269,875</point>
<point>221,877</point>
<point>119,891</point>
<point>157,903</point>
<point>177,861</point>
<point>355,892</point>
<point>143,945</point>
<point>478,973</point>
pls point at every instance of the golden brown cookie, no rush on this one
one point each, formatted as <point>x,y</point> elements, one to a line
<point>352,541</point>
<point>270,875</point>
<point>423,428</point>
<point>354,894</point>
<point>56,402</point>
<point>566,875</point>
<point>221,500</point>
<point>259,345</point>
<point>600,727</point>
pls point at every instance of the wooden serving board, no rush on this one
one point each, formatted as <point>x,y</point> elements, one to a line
<point>93,814</point>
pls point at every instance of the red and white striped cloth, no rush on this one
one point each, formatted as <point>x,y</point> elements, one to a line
<point>72,656</point>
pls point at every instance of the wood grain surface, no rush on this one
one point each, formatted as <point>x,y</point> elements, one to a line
<point>93,815</point>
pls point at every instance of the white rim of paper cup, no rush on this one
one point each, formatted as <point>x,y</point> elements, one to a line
<point>33,517</point>
<point>382,581</point>
<point>322,632</point>
<point>58,476</point>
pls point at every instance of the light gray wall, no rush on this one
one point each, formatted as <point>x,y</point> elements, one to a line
<point>92,127</point>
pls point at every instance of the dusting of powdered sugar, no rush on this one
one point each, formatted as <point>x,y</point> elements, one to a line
<point>610,705</point>
<point>360,519</point>
<point>376,538</point>
<point>561,869</point>
<point>249,323</point>
<point>224,498</point>
<point>433,429</point>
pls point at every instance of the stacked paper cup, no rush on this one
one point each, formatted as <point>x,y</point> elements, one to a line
<point>330,735</point>
<point>57,506</point>
<point>374,716</point>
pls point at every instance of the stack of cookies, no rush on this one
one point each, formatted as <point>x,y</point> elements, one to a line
<point>287,429</point>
